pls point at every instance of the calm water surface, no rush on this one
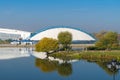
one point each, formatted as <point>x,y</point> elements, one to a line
<point>25,64</point>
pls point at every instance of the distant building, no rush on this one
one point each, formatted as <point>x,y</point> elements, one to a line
<point>13,34</point>
<point>24,37</point>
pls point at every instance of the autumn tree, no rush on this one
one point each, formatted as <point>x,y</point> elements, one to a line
<point>108,41</point>
<point>46,45</point>
<point>100,34</point>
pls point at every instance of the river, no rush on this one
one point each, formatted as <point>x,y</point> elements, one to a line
<point>26,64</point>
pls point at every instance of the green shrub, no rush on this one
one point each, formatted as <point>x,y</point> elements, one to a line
<point>65,38</point>
<point>92,48</point>
<point>108,41</point>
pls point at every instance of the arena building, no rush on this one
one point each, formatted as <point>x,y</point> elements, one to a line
<point>52,32</point>
<point>79,36</point>
<point>13,34</point>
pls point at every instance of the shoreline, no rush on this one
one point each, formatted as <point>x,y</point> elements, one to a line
<point>73,45</point>
<point>12,45</point>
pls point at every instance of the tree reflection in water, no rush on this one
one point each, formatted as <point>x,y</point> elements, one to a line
<point>65,69</point>
<point>111,67</point>
<point>45,65</point>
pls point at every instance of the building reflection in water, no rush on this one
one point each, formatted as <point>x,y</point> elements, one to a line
<point>42,61</point>
<point>12,53</point>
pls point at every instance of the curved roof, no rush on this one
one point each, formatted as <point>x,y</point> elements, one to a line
<point>4,30</point>
<point>53,31</point>
<point>23,34</point>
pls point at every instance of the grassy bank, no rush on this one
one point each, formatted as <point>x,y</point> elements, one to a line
<point>66,55</point>
<point>101,55</point>
<point>89,55</point>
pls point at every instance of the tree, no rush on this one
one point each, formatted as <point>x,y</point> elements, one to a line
<point>46,45</point>
<point>100,34</point>
<point>108,41</point>
<point>65,38</point>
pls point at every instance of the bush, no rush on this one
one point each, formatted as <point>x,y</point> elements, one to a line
<point>46,45</point>
<point>92,48</point>
<point>95,48</point>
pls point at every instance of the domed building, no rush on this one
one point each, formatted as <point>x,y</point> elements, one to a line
<point>52,32</point>
<point>25,37</point>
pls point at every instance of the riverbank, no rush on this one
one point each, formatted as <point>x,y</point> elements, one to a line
<point>89,55</point>
<point>73,45</point>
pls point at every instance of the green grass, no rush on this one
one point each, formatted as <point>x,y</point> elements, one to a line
<point>101,55</point>
<point>66,55</point>
<point>89,55</point>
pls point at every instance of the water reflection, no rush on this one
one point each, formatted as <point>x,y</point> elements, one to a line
<point>11,53</point>
<point>42,60</point>
<point>111,67</point>
<point>51,64</point>
<point>45,65</point>
<point>48,64</point>
<point>42,55</point>
<point>65,69</point>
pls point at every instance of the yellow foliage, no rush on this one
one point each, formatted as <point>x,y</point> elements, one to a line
<point>46,45</point>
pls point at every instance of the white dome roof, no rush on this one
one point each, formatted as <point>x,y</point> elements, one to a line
<point>53,33</point>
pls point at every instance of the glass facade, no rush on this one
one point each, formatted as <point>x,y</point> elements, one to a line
<point>5,36</point>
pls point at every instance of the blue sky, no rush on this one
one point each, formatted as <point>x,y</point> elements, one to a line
<point>88,15</point>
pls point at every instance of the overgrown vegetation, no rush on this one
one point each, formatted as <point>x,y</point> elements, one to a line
<point>108,41</point>
<point>89,55</point>
<point>100,55</point>
<point>5,41</point>
<point>66,56</point>
<point>46,45</point>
